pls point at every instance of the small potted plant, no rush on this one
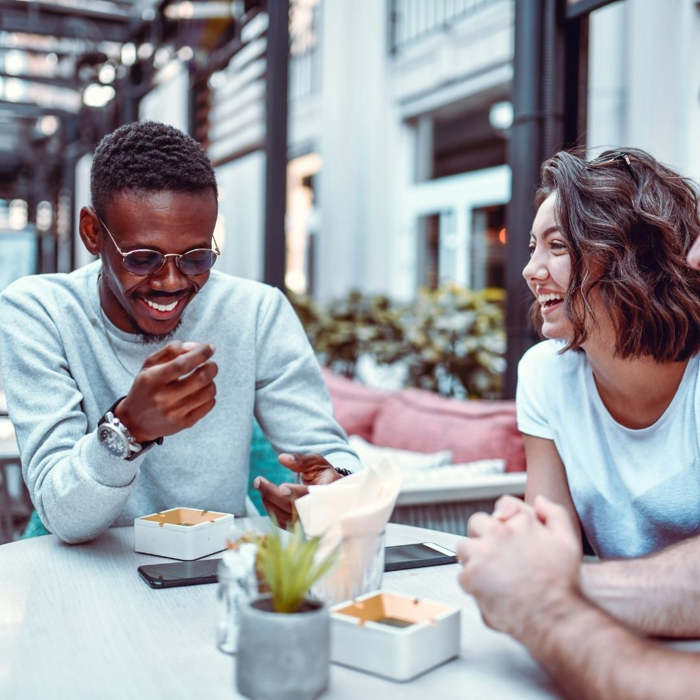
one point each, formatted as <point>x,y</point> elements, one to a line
<point>284,636</point>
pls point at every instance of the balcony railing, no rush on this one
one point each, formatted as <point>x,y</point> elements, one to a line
<point>304,65</point>
<point>411,21</point>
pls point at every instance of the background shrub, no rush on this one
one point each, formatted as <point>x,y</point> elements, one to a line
<point>450,341</point>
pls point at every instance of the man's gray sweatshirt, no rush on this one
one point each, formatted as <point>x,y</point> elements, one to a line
<point>64,364</point>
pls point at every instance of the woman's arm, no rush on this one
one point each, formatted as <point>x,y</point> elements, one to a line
<point>546,476</point>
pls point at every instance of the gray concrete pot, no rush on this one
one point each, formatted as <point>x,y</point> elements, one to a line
<point>283,655</point>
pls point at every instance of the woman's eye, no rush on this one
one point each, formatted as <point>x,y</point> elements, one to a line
<point>558,246</point>
<point>530,250</point>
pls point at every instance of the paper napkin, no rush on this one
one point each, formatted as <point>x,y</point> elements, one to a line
<point>352,513</point>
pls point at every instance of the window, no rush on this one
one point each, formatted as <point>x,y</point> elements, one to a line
<point>488,245</point>
<point>436,256</point>
<point>301,222</point>
<point>466,142</point>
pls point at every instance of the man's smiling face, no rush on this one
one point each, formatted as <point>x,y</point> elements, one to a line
<point>166,221</point>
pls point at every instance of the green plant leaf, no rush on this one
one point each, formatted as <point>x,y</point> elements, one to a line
<point>451,339</point>
<point>289,567</point>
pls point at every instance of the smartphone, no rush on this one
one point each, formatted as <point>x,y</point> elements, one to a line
<point>411,556</point>
<point>180,573</point>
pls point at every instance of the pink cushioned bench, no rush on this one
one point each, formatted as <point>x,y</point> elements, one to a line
<point>421,421</point>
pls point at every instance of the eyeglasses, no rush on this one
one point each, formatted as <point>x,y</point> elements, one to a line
<point>144,261</point>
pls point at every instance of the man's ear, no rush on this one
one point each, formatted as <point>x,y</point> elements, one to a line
<point>90,230</point>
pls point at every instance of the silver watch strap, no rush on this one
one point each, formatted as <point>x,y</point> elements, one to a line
<point>135,447</point>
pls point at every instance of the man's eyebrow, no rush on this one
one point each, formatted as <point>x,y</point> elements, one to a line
<point>549,230</point>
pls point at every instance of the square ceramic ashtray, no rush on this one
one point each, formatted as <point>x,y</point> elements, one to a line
<point>182,533</point>
<point>393,635</point>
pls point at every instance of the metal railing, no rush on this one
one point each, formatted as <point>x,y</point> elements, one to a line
<point>411,21</point>
<point>304,63</point>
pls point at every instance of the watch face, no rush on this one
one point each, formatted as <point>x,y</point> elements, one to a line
<point>113,440</point>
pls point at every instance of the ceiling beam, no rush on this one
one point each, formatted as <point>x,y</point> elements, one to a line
<point>60,50</point>
<point>17,17</point>
<point>44,80</point>
<point>29,110</point>
<point>97,8</point>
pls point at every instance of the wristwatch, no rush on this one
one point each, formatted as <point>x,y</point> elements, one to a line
<point>117,439</point>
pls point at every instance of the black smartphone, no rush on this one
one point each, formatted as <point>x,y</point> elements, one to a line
<point>179,573</point>
<point>411,556</point>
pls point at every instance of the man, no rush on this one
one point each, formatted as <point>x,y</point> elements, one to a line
<point>119,407</point>
<point>523,572</point>
<point>523,566</point>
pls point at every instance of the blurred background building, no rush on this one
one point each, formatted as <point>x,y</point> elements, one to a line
<point>386,146</point>
<point>379,157</point>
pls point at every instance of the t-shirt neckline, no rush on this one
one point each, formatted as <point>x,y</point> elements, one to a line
<point>600,404</point>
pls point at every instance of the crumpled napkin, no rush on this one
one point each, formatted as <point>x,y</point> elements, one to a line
<point>351,513</point>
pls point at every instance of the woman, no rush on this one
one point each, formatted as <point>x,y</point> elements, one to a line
<point>610,404</point>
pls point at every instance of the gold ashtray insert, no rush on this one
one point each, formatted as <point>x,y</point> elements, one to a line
<point>184,516</point>
<point>393,610</point>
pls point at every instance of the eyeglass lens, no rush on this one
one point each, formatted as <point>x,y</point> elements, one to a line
<point>145,262</point>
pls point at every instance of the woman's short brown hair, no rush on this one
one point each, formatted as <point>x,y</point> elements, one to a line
<point>629,223</point>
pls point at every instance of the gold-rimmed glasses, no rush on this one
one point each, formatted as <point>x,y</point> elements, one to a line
<point>145,261</point>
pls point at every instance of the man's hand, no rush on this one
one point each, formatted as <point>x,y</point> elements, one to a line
<point>508,506</point>
<point>172,391</point>
<point>518,567</point>
<point>279,499</point>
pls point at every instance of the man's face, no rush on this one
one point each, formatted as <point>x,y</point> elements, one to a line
<point>169,222</point>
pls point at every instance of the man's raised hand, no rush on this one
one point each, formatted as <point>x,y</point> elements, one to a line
<point>172,391</point>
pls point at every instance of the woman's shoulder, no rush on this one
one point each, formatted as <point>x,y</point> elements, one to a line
<point>550,355</point>
<point>548,381</point>
<point>694,377</point>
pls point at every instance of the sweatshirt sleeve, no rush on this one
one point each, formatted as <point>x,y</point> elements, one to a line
<point>77,487</point>
<point>292,403</point>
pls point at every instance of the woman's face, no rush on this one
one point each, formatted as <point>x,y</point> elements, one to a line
<point>694,254</point>
<point>549,270</point>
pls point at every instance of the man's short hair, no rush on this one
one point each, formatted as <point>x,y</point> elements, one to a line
<point>148,157</point>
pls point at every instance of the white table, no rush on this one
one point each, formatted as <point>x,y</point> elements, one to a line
<point>76,621</point>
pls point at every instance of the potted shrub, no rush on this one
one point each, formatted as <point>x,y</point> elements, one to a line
<point>449,340</point>
<point>284,635</point>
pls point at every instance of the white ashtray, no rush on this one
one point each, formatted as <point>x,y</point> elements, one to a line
<point>393,635</point>
<point>182,533</point>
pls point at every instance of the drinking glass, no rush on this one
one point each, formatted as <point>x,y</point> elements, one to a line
<point>359,569</point>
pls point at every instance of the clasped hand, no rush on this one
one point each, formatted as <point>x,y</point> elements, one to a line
<point>519,561</point>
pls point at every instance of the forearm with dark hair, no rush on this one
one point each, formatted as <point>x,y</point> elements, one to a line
<point>591,656</point>
<point>657,595</point>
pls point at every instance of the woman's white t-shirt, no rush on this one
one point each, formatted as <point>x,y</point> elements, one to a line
<point>635,491</point>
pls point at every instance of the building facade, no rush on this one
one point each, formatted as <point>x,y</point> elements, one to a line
<point>399,115</point>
